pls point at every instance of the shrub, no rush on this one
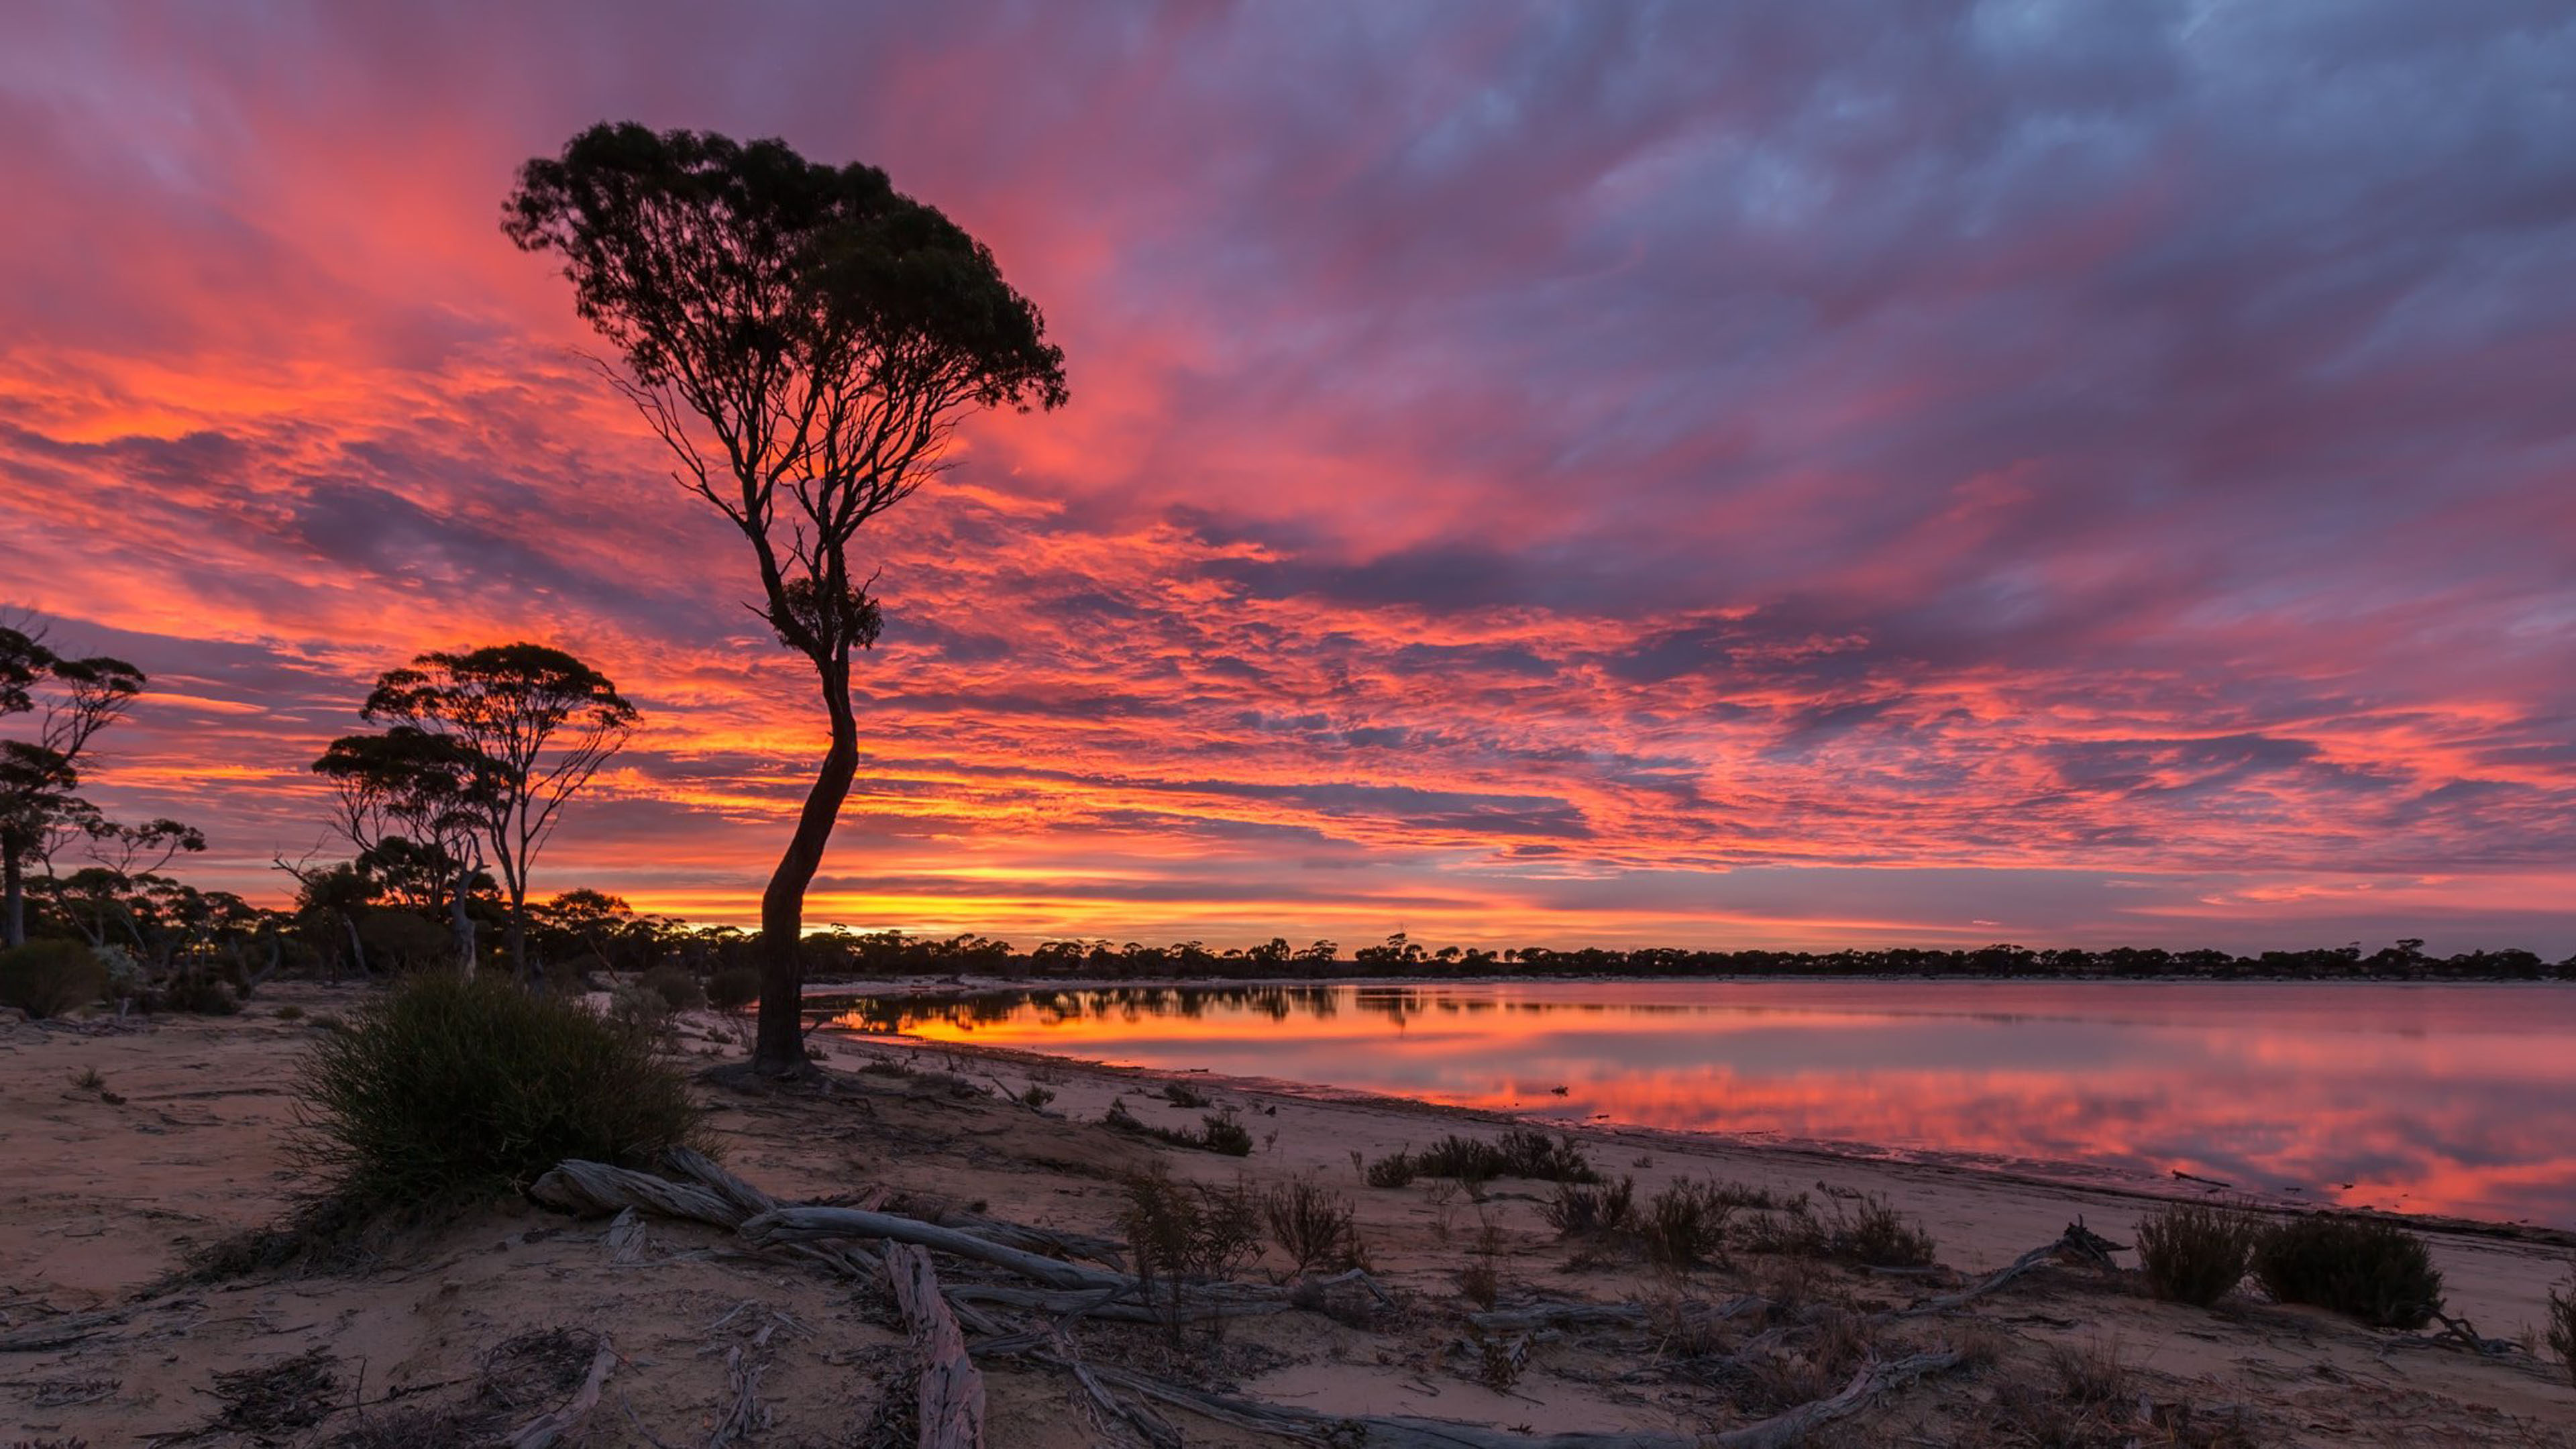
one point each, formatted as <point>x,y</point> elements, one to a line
<point>2194,1252</point>
<point>640,1010</point>
<point>677,988</point>
<point>2562,1323</point>
<point>2375,1271</point>
<point>1520,1152</point>
<point>1182,1094</point>
<point>290,1012</point>
<point>1876,1235</point>
<point>1396,1169</point>
<point>1684,1225</point>
<point>198,995</point>
<point>1223,1132</point>
<point>1592,1210</point>
<point>1186,1233</point>
<point>733,988</point>
<point>49,978</point>
<point>448,1086</point>
<point>1315,1228</point>
<point>1037,1095</point>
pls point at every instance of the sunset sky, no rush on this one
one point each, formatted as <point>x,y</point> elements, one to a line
<point>1810,474</point>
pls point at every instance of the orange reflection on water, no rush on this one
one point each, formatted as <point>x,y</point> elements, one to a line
<point>2444,1099</point>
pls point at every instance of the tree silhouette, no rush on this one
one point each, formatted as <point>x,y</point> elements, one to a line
<point>71,700</point>
<point>805,339</point>
<point>415,804</point>
<point>536,724</point>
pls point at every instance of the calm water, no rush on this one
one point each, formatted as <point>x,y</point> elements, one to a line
<point>2450,1099</point>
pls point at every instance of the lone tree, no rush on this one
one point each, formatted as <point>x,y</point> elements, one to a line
<point>71,700</point>
<point>537,724</point>
<point>805,339</point>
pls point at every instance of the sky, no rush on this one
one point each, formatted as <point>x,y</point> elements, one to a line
<point>1810,474</point>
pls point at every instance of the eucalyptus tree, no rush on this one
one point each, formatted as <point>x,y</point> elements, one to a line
<point>805,339</point>
<point>535,724</point>
<point>414,804</point>
<point>69,701</point>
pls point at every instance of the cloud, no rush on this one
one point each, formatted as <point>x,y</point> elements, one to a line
<point>1592,473</point>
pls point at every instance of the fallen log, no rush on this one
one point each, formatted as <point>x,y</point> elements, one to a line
<point>951,1390</point>
<point>808,1224</point>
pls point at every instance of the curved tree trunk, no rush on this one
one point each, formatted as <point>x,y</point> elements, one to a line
<point>779,1049</point>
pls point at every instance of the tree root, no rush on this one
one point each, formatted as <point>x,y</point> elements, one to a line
<point>2078,1242</point>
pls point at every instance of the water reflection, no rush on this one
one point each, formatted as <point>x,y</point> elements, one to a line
<point>2453,1099</point>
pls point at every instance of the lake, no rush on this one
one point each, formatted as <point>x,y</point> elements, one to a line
<point>2442,1099</point>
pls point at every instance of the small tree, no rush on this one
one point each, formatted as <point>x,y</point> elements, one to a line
<point>537,723</point>
<point>72,700</point>
<point>805,339</point>
<point>415,804</point>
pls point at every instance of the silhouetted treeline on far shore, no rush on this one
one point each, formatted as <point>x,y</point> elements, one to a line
<point>834,955</point>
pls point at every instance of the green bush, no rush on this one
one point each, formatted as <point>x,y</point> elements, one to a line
<point>675,986</point>
<point>733,988</point>
<point>49,978</point>
<point>448,1086</point>
<point>2363,1268</point>
<point>2194,1252</point>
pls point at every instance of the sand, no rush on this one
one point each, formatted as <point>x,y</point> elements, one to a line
<point>105,1192</point>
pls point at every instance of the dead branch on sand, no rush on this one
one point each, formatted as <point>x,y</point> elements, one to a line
<point>952,1391</point>
<point>2078,1242</point>
<point>565,1425</point>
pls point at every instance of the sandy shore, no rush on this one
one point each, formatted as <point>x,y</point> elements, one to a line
<point>108,1187</point>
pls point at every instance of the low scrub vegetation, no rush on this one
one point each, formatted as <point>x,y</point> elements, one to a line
<point>1521,1152</point>
<point>1682,1226</point>
<point>1221,1132</point>
<point>1182,1094</point>
<point>1182,1233</point>
<point>448,1086</point>
<point>1592,1210</point>
<point>51,978</point>
<point>2196,1252</point>
<point>733,988</point>
<point>1396,1169</point>
<point>2375,1271</point>
<point>678,989</point>
<point>1317,1229</point>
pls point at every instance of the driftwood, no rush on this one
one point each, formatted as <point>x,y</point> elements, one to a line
<point>1608,1315</point>
<point>565,1425</point>
<point>55,1332</point>
<point>1873,1379</point>
<point>805,1224</point>
<point>2077,1242</point>
<point>952,1391</point>
<point>951,1387</point>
